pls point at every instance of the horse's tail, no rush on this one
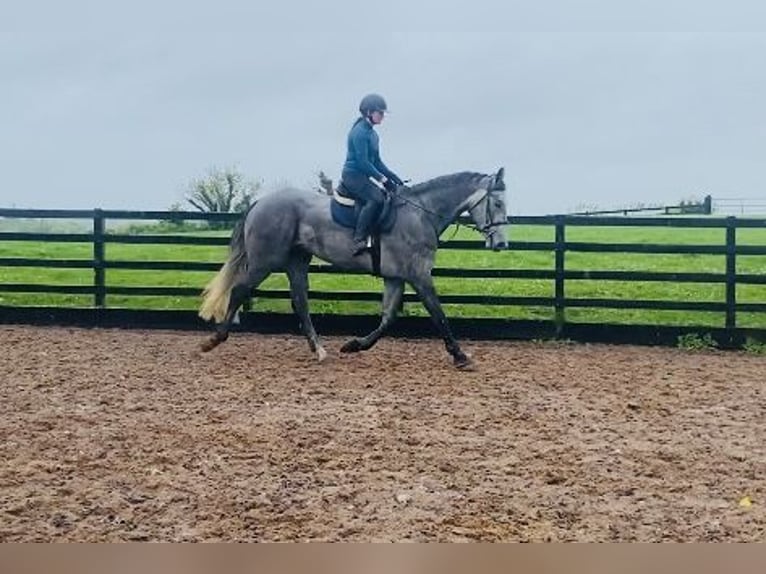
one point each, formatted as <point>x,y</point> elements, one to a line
<point>216,294</point>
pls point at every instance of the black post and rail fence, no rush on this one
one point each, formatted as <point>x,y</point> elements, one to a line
<point>100,313</point>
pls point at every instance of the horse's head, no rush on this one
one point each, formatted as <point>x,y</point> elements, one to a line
<point>489,212</point>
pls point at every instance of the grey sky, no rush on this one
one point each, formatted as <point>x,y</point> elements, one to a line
<point>584,103</point>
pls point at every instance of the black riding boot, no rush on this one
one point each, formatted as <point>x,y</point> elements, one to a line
<point>363,223</point>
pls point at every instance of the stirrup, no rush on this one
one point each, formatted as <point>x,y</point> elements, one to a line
<point>360,247</point>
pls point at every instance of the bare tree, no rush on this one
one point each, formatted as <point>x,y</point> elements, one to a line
<point>222,191</point>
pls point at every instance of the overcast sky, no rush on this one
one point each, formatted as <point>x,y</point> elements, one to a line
<point>592,103</point>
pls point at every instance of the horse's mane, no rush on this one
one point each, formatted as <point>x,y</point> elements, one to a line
<point>460,178</point>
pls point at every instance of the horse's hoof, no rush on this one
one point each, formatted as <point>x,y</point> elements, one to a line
<point>352,346</point>
<point>209,344</point>
<point>464,363</point>
<point>321,354</point>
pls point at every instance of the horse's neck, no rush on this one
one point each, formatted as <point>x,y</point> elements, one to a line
<point>449,202</point>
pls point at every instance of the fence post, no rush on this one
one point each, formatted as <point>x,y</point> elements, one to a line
<point>707,205</point>
<point>731,272</point>
<point>99,282</point>
<point>560,247</point>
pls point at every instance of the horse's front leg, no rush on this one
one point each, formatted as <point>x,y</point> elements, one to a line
<point>392,299</point>
<point>427,293</point>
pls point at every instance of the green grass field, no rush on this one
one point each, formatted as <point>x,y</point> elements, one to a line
<point>446,258</point>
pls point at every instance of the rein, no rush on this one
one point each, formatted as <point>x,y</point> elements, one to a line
<point>483,229</point>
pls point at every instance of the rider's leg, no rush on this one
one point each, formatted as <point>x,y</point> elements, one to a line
<point>372,199</point>
<point>367,216</point>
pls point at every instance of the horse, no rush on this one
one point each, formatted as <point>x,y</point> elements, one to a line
<point>283,230</point>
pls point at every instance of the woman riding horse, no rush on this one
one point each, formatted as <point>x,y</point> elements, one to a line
<point>362,163</point>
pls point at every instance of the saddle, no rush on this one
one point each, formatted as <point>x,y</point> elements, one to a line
<point>345,210</point>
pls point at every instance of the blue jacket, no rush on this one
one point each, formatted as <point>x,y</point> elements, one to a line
<point>363,152</point>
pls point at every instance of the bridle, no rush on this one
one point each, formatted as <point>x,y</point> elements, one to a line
<point>489,226</point>
<point>487,229</point>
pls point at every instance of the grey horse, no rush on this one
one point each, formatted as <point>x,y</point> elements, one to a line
<point>283,230</point>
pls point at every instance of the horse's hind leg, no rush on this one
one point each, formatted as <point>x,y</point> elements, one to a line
<point>298,274</point>
<point>392,299</point>
<point>240,290</point>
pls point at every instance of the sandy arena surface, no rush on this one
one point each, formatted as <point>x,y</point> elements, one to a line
<point>110,435</point>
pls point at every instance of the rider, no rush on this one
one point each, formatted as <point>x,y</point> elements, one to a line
<point>363,162</point>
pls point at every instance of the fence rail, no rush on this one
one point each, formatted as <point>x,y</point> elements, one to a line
<point>739,206</point>
<point>100,291</point>
<point>704,207</point>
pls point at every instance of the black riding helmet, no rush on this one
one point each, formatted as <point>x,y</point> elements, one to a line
<point>372,103</point>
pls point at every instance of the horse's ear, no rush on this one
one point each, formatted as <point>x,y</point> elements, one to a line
<point>500,174</point>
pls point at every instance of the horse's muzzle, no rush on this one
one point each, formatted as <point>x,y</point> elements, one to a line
<point>496,240</point>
